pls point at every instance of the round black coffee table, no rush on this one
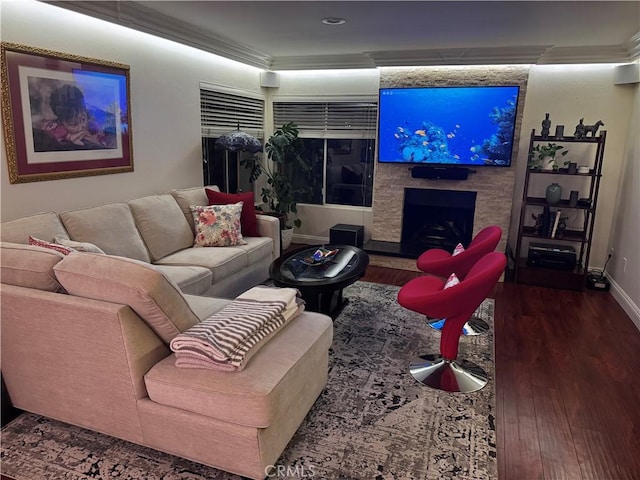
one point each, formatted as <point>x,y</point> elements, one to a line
<point>320,285</point>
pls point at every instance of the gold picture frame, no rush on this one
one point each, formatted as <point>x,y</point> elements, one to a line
<point>64,116</point>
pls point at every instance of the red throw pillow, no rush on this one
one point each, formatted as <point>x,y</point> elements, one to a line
<point>248,219</point>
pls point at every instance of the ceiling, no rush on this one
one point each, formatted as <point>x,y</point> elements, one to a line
<point>289,35</point>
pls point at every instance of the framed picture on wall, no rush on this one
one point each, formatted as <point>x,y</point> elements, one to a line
<point>64,115</point>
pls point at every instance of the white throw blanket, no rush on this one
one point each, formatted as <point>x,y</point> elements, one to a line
<point>227,339</point>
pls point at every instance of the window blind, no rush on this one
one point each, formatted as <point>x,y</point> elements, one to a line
<point>222,112</point>
<point>329,119</point>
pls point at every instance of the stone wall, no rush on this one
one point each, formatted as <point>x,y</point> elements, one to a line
<point>494,185</point>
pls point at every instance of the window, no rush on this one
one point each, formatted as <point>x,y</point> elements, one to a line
<point>221,112</point>
<point>339,137</point>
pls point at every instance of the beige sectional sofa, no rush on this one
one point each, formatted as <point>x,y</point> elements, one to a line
<point>159,229</point>
<point>85,337</point>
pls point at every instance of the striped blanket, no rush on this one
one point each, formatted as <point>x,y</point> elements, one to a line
<point>227,339</point>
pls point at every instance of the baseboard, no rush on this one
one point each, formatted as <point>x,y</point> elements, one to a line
<point>625,302</point>
<point>309,239</point>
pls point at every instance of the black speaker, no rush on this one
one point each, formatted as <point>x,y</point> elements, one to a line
<point>343,234</point>
<point>444,173</point>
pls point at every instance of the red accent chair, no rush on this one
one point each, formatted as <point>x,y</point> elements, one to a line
<point>442,263</point>
<point>427,295</point>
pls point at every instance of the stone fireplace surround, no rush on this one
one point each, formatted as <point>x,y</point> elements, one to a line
<point>494,185</point>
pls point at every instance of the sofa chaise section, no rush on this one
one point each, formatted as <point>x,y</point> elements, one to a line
<point>265,403</point>
<point>101,365</point>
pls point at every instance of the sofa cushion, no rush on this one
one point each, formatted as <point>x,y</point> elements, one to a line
<point>223,262</point>
<point>29,266</point>
<point>248,218</point>
<point>264,391</point>
<point>162,224</point>
<point>111,227</point>
<point>257,248</point>
<point>41,225</point>
<point>204,307</point>
<point>218,225</point>
<point>78,246</point>
<point>156,299</point>
<point>186,197</point>
<point>191,279</point>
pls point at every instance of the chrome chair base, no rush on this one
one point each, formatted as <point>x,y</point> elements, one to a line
<point>473,326</point>
<point>448,375</point>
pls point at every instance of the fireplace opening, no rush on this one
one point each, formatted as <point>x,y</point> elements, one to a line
<point>437,218</point>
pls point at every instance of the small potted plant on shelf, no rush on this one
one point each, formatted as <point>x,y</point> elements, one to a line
<point>284,150</point>
<point>545,156</point>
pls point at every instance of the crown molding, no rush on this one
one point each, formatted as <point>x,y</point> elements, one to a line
<point>322,62</point>
<point>141,18</point>
<point>633,47</point>
<point>588,54</point>
<point>459,56</point>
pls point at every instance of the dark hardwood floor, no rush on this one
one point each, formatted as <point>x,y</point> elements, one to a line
<point>567,395</point>
<point>568,401</point>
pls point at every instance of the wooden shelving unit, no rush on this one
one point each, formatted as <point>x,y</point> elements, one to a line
<point>579,236</point>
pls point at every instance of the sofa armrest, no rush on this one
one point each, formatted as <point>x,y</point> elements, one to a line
<point>269,226</point>
<point>69,358</point>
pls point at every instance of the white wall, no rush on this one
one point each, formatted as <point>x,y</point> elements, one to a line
<point>165,106</point>
<point>624,266</point>
<point>568,93</point>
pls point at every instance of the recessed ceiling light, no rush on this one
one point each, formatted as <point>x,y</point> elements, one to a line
<point>334,21</point>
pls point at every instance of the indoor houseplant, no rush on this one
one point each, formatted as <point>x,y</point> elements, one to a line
<point>283,150</point>
<point>544,156</point>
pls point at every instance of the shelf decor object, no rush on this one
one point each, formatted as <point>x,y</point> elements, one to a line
<point>546,125</point>
<point>553,194</point>
<point>560,247</point>
<point>573,198</point>
<point>544,156</point>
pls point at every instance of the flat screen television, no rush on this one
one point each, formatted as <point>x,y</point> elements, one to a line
<point>452,126</point>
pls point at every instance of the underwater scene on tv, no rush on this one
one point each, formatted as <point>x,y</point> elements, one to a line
<point>447,125</point>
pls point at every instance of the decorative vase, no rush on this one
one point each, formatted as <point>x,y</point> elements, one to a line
<point>554,193</point>
<point>286,237</point>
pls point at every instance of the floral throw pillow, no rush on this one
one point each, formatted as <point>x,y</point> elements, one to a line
<point>459,249</point>
<point>248,219</point>
<point>217,225</point>
<point>451,281</point>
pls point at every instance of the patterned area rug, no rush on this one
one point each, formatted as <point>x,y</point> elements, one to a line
<point>373,420</point>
